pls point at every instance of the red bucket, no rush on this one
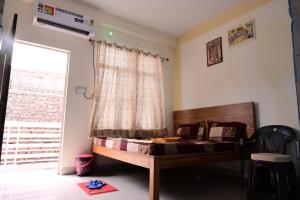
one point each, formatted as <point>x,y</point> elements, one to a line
<point>83,164</point>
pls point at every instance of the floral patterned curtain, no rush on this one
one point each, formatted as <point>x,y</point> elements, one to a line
<point>129,96</point>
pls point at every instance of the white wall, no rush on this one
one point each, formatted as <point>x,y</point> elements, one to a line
<point>260,70</point>
<point>75,136</point>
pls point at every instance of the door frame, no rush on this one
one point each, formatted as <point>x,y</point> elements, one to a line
<point>65,87</point>
<point>6,55</point>
<point>294,8</point>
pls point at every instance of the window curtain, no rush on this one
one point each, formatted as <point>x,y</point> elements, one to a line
<point>129,96</point>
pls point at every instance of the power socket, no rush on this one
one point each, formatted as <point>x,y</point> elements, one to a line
<point>80,90</point>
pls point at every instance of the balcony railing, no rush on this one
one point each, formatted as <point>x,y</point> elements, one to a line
<point>30,143</point>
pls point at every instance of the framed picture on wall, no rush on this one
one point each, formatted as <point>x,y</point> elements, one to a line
<point>214,51</point>
<point>241,33</point>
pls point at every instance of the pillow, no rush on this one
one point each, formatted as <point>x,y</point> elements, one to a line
<point>226,131</point>
<point>184,130</point>
<point>202,130</point>
<point>192,131</point>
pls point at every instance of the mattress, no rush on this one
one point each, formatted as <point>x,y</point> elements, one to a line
<point>149,147</point>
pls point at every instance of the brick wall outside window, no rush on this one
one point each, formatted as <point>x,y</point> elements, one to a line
<point>35,96</point>
<point>33,118</point>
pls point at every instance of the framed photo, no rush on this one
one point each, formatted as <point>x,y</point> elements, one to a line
<point>214,51</point>
<point>241,33</point>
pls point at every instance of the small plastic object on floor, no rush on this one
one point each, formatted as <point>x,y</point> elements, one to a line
<point>96,184</point>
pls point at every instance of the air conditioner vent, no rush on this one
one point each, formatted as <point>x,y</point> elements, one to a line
<point>62,20</point>
<point>42,21</point>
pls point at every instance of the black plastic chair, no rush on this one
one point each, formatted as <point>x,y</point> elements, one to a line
<point>272,173</point>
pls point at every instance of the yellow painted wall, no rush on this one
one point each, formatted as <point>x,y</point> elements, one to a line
<point>260,70</point>
<point>217,21</point>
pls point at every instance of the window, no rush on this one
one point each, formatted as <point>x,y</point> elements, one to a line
<point>129,97</point>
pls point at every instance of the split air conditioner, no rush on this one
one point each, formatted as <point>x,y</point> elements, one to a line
<point>62,20</point>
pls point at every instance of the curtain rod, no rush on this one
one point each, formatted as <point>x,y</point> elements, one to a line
<point>127,48</point>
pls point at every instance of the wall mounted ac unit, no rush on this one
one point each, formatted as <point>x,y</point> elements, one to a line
<point>59,19</point>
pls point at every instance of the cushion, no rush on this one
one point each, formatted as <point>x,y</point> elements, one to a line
<point>226,131</point>
<point>192,131</point>
<point>184,131</point>
<point>271,157</point>
<point>202,130</point>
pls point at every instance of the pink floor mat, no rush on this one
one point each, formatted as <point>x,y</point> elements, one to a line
<point>104,189</point>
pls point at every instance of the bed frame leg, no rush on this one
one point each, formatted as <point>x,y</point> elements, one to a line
<point>242,162</point>
<point>154,179</point>
<point>242,171</point>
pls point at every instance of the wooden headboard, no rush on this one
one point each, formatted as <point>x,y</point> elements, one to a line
<point>242,112</point>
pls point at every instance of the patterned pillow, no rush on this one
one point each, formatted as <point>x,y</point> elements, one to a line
<point>202,131</point>
<point>226,131</point>
<point>184,131</point>
<point>192,131</point>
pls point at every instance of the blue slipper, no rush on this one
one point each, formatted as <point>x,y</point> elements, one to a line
<point>96,184</point>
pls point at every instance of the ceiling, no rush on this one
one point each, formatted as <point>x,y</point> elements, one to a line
<point>173,17</point>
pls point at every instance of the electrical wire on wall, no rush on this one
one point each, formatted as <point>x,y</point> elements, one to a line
<point>94,69</point>
<point>94,66</point>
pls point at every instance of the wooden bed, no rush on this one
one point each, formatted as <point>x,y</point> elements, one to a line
<point>243,112</point>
